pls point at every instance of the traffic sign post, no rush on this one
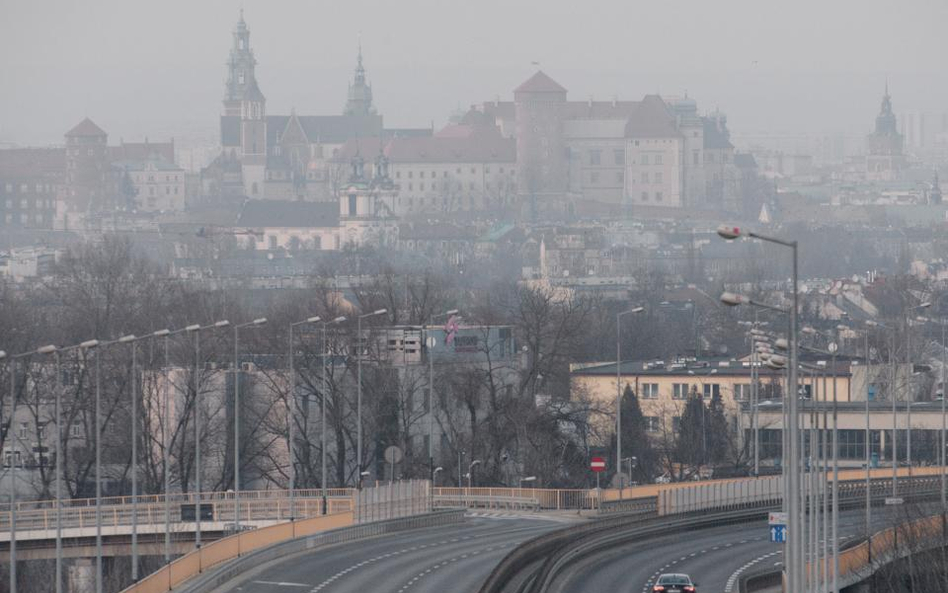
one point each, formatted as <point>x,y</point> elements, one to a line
<point>778,527</point>
<point>598,465</point>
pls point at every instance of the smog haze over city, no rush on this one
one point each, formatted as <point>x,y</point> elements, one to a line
<point>430,296</point>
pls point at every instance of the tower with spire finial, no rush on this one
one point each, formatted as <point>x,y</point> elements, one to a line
<point>359,100</point>
<point>243,99</point>
<point>884,158</point>
<point>242,96</point>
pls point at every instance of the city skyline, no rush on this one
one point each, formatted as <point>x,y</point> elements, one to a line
<point>793,75</point>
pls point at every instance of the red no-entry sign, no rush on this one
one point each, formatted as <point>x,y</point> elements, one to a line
<point>597,464</point>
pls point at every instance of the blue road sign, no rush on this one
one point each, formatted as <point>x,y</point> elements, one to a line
<point>778,534</point>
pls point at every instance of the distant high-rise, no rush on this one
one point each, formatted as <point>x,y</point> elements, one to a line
<point>359,101</point>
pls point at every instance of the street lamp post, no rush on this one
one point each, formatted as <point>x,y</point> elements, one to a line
<point>429,345</point>
<point>619,387</point>
<point>322,413</point>
<point>359,391</point>
<point>130,339</point>
<point>255,323</point>
<point>59,470</point>
<point>794,564</point>
<point>166,435</point>
<point>470,473</point>
<point>291,412</point>
<point>11,362</point>
<point>196,330</point>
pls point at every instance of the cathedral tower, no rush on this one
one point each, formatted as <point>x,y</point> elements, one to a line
<point>884,159</point>
<point>359,101</point>
<point>243,99</point>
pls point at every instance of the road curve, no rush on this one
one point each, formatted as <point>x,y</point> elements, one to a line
<point>714,558</point>
<point>454,558</point>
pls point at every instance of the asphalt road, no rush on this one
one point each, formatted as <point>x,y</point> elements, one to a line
<point>713,557</point>
<point>454,558</point>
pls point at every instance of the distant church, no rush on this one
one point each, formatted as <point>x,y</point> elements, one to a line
<point>884,157</point>
<point>283,157</point>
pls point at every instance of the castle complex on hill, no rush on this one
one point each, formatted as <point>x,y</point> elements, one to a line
<point>540,152</point>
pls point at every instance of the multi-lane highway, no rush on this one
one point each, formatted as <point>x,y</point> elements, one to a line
<point>715,558</point>
<point>458,558</point>
<point>454,558</point>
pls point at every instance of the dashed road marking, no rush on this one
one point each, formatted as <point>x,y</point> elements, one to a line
<point>411,582</point>
<point>648,584</point>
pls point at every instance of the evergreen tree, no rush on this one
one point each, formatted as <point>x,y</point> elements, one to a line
<point>690,447</point>
<point>718,432</point>
<point>635,441</point>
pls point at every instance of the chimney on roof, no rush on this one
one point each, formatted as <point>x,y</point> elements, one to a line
<point>496,100</point>
<point>590,100</point>
<point>615,99</point>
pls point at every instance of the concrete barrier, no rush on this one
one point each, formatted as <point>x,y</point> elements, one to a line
<point>216,577</point>
<point>228,548</point>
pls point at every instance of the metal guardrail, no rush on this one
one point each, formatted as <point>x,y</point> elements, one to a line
<point>256,508</point>
<point>547,499</point>
<point>175,498</point>
<point>488,502</point>
<point>531,567</point>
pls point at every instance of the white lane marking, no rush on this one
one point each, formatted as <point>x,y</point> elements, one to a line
<point>732,580</point>
<point>658,573</point>
<point>408,585</point>
<point>280,584</point>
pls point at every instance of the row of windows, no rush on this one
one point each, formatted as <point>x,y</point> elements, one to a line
<point>151,190</point>
<point>618,156</point>
<point>682,390</point>
<point>434,174</point>
<point>659,196</point>
<point>25,204</point>
<point>24,188</point>
<point>655,177</point>
<point>27,218</point>
<point>24,432</point>
<point>151,178</point>
<point>446,186</point>
<point>594,177</point>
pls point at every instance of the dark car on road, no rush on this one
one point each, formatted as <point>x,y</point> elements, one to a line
<point>674,583</point>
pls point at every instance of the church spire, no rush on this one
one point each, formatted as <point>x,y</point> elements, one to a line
<point>241,87</point>
<point>359,101</point>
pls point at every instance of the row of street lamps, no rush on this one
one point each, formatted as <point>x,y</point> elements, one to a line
<point>90,346</point>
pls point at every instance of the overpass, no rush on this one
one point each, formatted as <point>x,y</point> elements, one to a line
<point>516,506</point>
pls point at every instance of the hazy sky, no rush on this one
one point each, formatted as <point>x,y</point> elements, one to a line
<point>157,68</point>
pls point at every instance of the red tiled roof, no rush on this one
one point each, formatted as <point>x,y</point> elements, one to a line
<point>540,83</point>
<point>600,109</point>
<point>482,145</point>
<point>30,163</point>
<point>501,109</point>
<point>652,119</point>
<point>86,128</point>
<point>142,151</point>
